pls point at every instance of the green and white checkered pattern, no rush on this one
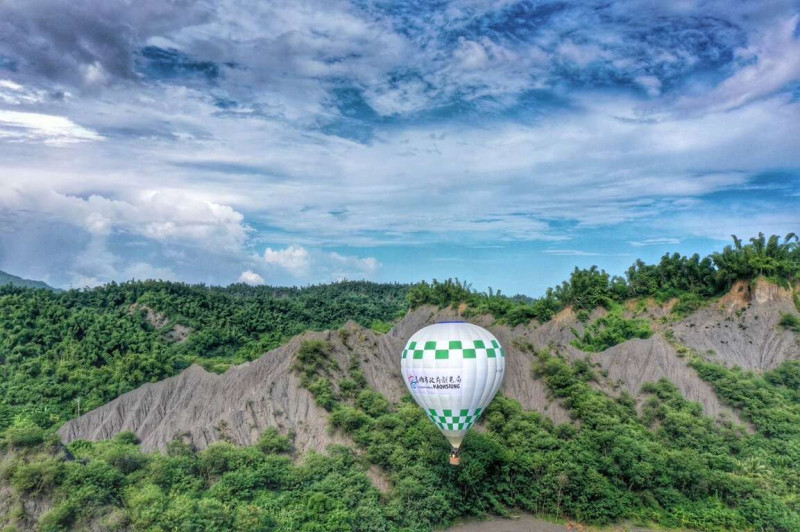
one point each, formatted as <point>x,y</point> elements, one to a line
<point>444,350</point>
<point>445,419</point>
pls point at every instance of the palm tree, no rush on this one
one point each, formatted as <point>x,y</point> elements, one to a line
<point>762,256</point>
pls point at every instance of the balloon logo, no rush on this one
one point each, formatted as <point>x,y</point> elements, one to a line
<point>453,371</point>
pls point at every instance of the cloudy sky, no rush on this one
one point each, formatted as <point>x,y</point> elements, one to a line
<point>306,141</point>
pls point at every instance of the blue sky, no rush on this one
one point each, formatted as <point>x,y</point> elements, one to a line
<point>306,141</point>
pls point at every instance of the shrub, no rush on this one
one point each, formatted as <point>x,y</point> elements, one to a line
<point>312,359</point>
<point>372,403</point>
<point>125,458</point>
<point>271,442</point>
<point>323,393</point>
<point>37,477</point>
<point>611,330</point>
<point>126,437</point>
<point>349,418</point>
<point>381,327</point>
<point>25,436</point>
<point>790,322</point>
<point>59,518</point>
<point>348,388</point>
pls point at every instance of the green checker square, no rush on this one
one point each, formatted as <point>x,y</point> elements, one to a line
<point>464,412</point>
<point>495,344</point>
<point>442,354</point>
<point>412,345</point>
<point>478,412</point>
<point>418,354</point>
<point>405,352</point>
<point>431,344</point>
<point>456,419</point>
<point>432,411</point>
<point>455,344</point>
<point>442,419</point>
<point>468,419</point>
<point>490,353</point>
<point>447,412</point>
<point>468,353</point>
<point>450,426</point>
<point>479,344</point>
<point>502,352</point>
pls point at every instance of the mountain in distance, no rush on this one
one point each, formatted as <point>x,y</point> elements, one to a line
<point>7,278</point>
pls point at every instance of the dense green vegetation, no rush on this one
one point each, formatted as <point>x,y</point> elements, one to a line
<point>668,465</point>
<point>61,352</point>
<point>115,486</point>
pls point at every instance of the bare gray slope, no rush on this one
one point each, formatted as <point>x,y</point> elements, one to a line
<point>632,364</point>
<point>201,408</point>
<point>742,329</point>
<point>628,365</point>
<point>239,405</point>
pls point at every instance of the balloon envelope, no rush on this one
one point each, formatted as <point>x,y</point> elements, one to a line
<point>453,370</point>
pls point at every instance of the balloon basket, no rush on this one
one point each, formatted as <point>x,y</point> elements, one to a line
<point>455,460</point>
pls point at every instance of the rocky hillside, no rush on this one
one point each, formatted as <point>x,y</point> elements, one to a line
<point>740,329</point>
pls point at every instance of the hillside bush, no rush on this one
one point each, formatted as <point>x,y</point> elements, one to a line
<point>611,330</point>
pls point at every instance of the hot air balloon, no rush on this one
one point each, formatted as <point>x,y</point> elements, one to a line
<point>453,369</point>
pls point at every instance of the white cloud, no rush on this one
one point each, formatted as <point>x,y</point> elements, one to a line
<point>303,263</point>
<point>653,242</point>
<point>96,265</point>
<point>252,278</point>
<point>471,55</point>
<point>17,126</point>
<point>366,267</point>
<point>294,259</point>
<point>773,62</point>
<point>165,216</point>
<point>12,93</point>
<point>650,83</point>
<point>570,252</point>
<point>742,220</point>
<point>143,270</point>
<point>581,55</point>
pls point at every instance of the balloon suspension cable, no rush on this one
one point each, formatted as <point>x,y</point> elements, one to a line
<point>455,460</point>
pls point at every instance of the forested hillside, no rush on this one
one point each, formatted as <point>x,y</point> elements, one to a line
<point>651,459</point>
<point>13,280</point>
<point>90,346</point>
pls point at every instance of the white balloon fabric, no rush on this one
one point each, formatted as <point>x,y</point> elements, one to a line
<point>453,370</point>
